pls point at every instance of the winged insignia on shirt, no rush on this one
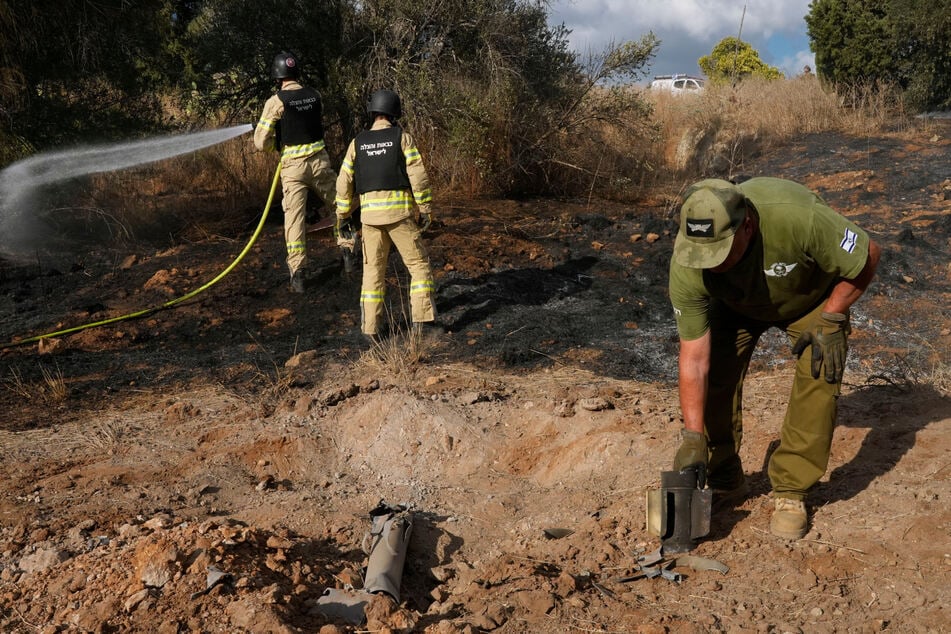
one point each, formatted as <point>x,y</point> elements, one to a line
<point>780,269</point>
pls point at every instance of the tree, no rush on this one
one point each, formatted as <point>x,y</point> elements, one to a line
<point>732,59</point>
<point>12,84</point>
<point>922,32</point>
<point>228,46</point>
<point>903,42</point>
<point>851,39</point>
<point>491,91</point>
<point>488,81</point>
<point>81,69</point>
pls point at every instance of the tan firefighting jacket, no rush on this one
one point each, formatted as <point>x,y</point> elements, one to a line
<point>265,132</point>
<point>385,207</point>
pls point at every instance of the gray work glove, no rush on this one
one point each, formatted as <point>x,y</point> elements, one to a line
<point>830,345</point>
<point>425,220</point>
<point>692,451</point>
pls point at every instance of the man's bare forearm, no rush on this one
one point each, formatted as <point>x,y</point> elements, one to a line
<point>694,368</point>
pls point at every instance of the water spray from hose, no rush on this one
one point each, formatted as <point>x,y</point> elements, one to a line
<point>21,180</point>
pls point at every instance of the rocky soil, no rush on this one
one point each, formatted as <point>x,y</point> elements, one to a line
<point>212,467</point>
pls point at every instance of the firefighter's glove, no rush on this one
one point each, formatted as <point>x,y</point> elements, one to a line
<point>345,235</point>
<point>830,345</point>
<point>425,220</point>
<point>692,451</point>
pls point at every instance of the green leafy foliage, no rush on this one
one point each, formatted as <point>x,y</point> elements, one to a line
<point>733,59</point>
<point>83,70</point>
<point>851,40</point>
<point>903,42</point>
<point>228,46</point>
<point>922,31</point>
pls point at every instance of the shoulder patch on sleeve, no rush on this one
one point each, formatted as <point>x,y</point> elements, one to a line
<point>848,241</point>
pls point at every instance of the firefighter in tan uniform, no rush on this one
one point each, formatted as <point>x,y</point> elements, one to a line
<point>384,168</point>
<point>291,124</point>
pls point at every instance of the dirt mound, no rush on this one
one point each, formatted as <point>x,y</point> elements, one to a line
<point>211,468</point>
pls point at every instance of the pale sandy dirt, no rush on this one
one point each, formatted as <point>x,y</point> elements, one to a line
<point>183,440</point>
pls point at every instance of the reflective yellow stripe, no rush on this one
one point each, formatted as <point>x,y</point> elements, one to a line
<point>295,246</point>
<point>411,154</point>
<point>343,204</point>
<point>425,286</point>
<point>347,167</point>
<point>423,197</point>
<point>294,151</point>
<point>398,200</point>
<point>266,123</point>
<point>394,205</point>
<point>371,297</point>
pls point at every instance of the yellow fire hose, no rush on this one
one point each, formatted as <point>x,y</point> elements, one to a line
<point>177,300</point>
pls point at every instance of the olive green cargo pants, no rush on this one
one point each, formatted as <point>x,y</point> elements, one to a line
<point>806,435</point>
<point>299,174</point>
<point>377,240</point>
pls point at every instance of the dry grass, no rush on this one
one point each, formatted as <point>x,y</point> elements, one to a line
<point>276,380</point>
<point>17,386</point>
<point>397,355</point>
<point>617,150</point>
<point>103,436</point>
<point>713,133</point>
<point>221,189</point>
<point>925,365</point>
<point>50,390</point>
<point>940,378</point>
<point>400,353</point>
<point>777,110</point>
<point>55,389</point>
<point>216,190</point>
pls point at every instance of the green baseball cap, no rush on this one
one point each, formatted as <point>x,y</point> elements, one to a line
<point>712,211</point>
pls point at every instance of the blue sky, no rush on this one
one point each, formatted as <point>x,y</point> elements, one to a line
<point>689,29</point>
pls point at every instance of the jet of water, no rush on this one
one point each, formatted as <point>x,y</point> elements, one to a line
<point>21,180</point>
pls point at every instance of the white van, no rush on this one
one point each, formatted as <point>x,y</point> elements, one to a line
<point>677,84</point>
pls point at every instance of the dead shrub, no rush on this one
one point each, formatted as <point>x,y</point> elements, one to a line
<point>218,189</point>
<point>105,436</point>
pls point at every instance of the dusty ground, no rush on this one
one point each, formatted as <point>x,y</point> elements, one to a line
<point>249,430</point>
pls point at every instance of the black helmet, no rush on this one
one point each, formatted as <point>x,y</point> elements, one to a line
<point>385,102</point>
<point>285,66</point>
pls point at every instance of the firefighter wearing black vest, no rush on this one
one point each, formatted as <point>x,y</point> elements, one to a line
<point>292,124</point>
<point>384,169</point>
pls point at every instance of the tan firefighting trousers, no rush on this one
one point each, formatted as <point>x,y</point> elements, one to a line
<point>806,435</point>
<point>406,237</point>
<point>298,174</point>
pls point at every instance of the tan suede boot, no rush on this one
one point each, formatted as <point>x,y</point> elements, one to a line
<point>789,520</point>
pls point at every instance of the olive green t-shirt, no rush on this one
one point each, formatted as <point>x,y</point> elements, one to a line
<point>801,250</point>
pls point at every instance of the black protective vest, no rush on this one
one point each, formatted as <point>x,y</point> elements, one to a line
<point>302,121</point>
<point>379,164</point>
